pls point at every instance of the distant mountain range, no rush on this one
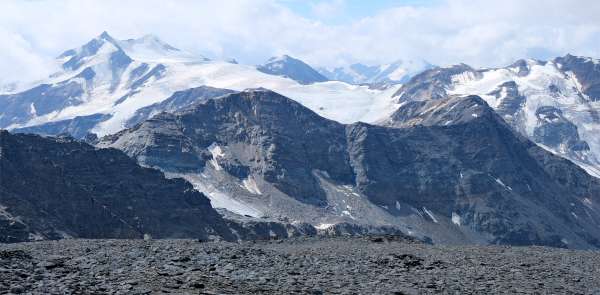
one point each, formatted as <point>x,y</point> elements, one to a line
<point>104,82</point>
<point>453,155</point>
<point>393,73</point>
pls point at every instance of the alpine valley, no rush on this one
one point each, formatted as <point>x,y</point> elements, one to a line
<point>135,138</point>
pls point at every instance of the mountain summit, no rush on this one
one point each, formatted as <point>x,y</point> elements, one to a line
<point>554,103</point>
<point>451,170</point>
<point>397,72</point>
<point>292,68</point>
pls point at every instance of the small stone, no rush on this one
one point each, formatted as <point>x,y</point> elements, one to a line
<point>377,240</point>
<point>197,285</point>
<point>17,289</point>
<point>181,259</point>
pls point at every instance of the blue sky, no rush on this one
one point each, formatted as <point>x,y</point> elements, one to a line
<point>347,11</point>
<point>326,33</point>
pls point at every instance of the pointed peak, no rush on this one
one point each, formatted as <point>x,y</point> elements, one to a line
<point>104,35</point>
<point>150,41</point>
<point>107,37</point>
<point>150,37</point>
<point>280,58</point>
<point>77,57</point>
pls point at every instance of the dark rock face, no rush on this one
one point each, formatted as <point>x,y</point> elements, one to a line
<point>454,156</point>
<point>265,133</point>
<point>524,195</point>
<point>292,68</point>
<point>179,100</point>
<point>521,66</point>
<point>530,96</point>
<point>554,129</point>
<point>156,72</point>
<point>587,72</point>
<point>56,188</point>
<point>78,127</point>
<point>512,101</point>
<point>442,112</point>
<point>38,101</point>
<point>432,83</point>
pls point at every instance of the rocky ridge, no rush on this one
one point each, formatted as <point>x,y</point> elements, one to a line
<point>471,179</point>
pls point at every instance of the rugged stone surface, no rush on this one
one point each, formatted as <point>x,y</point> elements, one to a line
<point>78,127</point>
<point>454,167</point>
<point>553,103</point>
<point>373,265</point>
<point>587,72</point>
<point>59,188</point>
<point>433,83</point>
<point>266,133</point>
<point>179,100</point>
<point>557,131</point>
<point>38,101</point>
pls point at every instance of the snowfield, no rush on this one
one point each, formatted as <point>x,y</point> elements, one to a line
<point>338,101</point>
<point>575,106</point>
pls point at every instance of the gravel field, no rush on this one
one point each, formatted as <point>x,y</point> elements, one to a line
<point>340,265</point>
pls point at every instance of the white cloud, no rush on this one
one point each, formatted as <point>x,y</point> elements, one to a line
<point>19,62</point>
<point>328,9</point>
<point>481,33</point>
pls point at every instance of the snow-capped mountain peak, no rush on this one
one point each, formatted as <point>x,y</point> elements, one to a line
<point>396,72</point>
<point>292,68</point>
<point>281,59</point>
<point>103,46</point>
<point>554,103</point>
<point>106,81</point>
<point>150,48</point>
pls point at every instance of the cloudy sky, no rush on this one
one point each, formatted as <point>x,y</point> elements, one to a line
<point>325,33</point>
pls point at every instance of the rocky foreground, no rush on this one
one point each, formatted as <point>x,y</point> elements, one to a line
<point>341,265</point>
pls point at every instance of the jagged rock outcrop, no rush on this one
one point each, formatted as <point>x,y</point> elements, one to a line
<point>553,103</point>
<point>433,83</point>
<point>452,163</point>
<point>265,134</point>
<point>52,188</point>
<point>179,100</point>
<point>587,72</point>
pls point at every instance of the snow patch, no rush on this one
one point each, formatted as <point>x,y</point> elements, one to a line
<point>456,218</point>
<point>324,226</point>
<point>216,152</point>
<point>347,213</point>
<point>219,199</point>
<point>536,88</point>
<point>32,110</point>
<point>430,214</point>
<point>251,186</point>
<point>502,184</point>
